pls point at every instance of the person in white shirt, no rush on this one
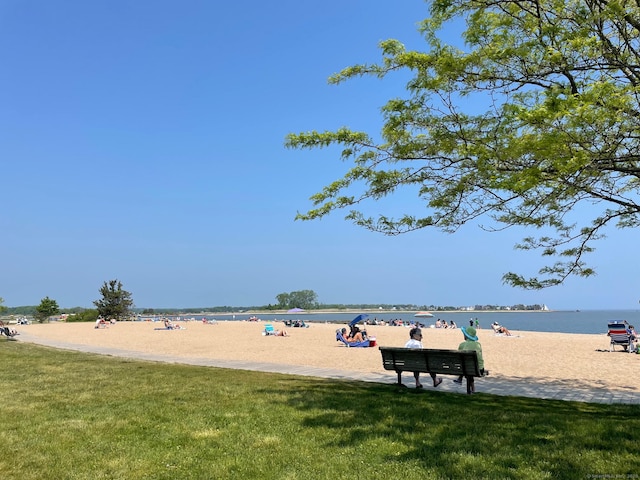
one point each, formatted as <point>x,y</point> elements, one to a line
<point>415,341</point>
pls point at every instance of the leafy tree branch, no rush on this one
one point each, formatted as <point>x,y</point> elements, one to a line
<point>535,120</point>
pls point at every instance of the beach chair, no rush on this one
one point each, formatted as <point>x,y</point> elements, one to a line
<point>340,338</point>
<point>269,330</point>
<point>618,335</point>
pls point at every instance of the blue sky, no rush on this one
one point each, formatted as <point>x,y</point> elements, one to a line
<point>144,141</point>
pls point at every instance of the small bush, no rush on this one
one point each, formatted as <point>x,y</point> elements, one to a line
<point>90,315</point>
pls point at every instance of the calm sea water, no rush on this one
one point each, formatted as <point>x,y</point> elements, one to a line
<point>585,321</point>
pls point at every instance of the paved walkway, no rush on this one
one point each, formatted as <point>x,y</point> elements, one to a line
<point>531,388</point>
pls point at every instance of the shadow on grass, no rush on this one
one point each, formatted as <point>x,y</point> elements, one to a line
<point>490,436</point>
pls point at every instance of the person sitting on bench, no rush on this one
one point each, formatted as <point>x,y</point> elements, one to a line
<point>415,341</point>
<point>471,343</point>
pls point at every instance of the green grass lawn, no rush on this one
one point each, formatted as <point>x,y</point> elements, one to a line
<point>71,415</point>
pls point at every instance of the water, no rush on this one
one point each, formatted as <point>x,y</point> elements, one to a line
<point>585,321</point>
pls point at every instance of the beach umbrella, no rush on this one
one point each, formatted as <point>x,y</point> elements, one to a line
<point>424,315</point>
<point>359,318</point>
<point>295,310</point>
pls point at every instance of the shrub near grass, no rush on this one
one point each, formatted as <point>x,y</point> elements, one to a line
<point>71,415</point>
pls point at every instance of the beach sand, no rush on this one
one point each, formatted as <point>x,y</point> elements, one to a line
<point>569,359</point>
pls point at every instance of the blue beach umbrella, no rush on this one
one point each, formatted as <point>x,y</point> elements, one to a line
<point>358,319</point>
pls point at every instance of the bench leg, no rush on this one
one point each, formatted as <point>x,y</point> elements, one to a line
<point>471,386</point>
<point>399,377</point>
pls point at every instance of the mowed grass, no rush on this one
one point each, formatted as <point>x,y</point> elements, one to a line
<point>71,415</point>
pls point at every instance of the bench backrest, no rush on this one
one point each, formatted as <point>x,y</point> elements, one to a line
<point>445,362</point>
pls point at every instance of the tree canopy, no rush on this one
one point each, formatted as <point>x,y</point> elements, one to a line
<point>534,123</point>
<point>305,299</point>
<point>116,303</point>
<point>46,309</point>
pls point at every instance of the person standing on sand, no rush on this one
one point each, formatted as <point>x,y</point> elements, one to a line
<point>633,338</point>
<point>415,341</point>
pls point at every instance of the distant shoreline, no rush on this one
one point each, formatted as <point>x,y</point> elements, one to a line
<point>356,311</point>
<point>176,312</point>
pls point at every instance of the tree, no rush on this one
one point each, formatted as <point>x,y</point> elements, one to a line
<point>535,124</point>
<point>283,300</point>
<point>306,299</point>
<point>2,307</point>
<point>46,309</point>
<point>115,303</point>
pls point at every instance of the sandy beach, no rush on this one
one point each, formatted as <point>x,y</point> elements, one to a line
<point>569,359</point>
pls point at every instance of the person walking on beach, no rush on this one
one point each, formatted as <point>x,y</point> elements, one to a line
<point>415,341</point>
<point>471,343</point>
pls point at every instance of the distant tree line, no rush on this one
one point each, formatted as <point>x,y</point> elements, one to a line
<point>115,302</point>
<point>30,310</point>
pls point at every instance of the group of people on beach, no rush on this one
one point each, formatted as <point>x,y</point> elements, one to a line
<point>443,324</point>
<point>355,335</point>
<point>394,322</point>
<point>295,323</point>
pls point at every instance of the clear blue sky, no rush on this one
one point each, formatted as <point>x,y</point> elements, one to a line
<point>144,141</point>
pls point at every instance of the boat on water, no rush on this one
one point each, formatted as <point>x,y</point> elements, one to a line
<point>424,315</point>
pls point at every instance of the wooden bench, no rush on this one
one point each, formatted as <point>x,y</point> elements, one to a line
<point>425,360</point>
